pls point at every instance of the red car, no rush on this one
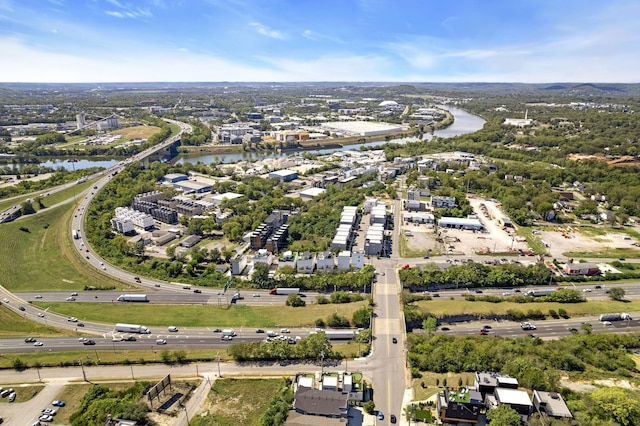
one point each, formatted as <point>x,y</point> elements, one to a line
<point>483,332</point>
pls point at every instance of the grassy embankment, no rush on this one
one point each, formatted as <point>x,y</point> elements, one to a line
<point>50,200</point>
<point>201,315</point>
<point>453,307</point>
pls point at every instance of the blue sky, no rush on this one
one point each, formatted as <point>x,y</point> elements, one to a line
<point>528,41</point>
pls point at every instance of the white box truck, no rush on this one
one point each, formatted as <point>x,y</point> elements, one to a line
<point>132,328</point>
<point>132,298</point>
<point>75,233</point>
<point>228,332</point>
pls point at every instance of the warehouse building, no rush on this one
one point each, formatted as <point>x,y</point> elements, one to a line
<point>460,223</point>
<point>284,175</point>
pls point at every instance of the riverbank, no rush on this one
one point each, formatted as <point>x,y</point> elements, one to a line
<point>334,143</point>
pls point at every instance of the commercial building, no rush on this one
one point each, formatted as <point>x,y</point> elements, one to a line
<point>174,177</point>
<point>192,186</point>
<point>190,241</point>
<point>309,193</point>
<point>361,128</point>
<point>460,223</point>
<point>284,175</point>
<point>585,268</point>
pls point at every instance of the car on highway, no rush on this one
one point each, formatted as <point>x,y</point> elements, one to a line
<point>226,337</point>
<point>82,339</point>
<point>197,290</point>
<point>129,339</point>
<point>517,290</point>
<point>259,330</point>
<point>483,332</point>
<point>157,285</point>
<point>394,340</point>
<point>256,295</point>
<point>284,330</point>
<point>75,293</point>
<point>217,330</point>
<point>80,324</point>
<point>487,327</point>
<point>586,290</point>
<point>573,329</point>
<point>444,328</point>
<point>606,322</point>
<point>393,418</point>
<point>161,342</point>
<point>58,403</point>
<point>38,344</point>
<point>598,287</point>
<point>37,296</point>
<point>380,415</point>
<point>22,308</point>
<point>30,339</point>
<point>477,290</point>
<point>506,293</point>
<point>172,328</point>
<point>89,342</point>
<point>72,319</point>
<point>186,287</point>
<point>40,314</point>
<point>5,300</point>
<point>71,299</point>
<point>137,279</point>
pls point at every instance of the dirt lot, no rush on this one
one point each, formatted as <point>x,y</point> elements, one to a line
<point>565,239</point>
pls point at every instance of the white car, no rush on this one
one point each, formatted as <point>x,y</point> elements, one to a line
<point>71,299</point>
<point>72,319</point>
<point>161,342</point>
<point>606,322</point>
<point>5,300</point>
<point>38,344</point>
<point>82,339</point>
<point>38,296</point>
<point>586,290</point>
<point>172,329</point>
<point>46,418</point>
<point>40,314</point>
<point>506,293</point>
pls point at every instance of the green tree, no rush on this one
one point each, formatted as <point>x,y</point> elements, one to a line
<point>503,415</point>
<point>369,407</point>
<point>260,275</point>
<point>430,324</point>
<point>295,301</point>
<point>617,404</point>
<point>361,317</point>
<point>616,293</point>
<point>27,208</point>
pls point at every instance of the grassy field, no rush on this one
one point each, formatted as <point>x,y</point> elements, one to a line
<point>108,356</point>
<point>605,252</point>
<point>142,132</point>
<point>17,326</point>
<point>453,307</point>
<point>227,402</point>
<point>43,257</point>
<point>201,316</point>
<point>434,383</point>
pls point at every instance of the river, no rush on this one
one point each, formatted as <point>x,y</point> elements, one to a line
<point>464,123</point>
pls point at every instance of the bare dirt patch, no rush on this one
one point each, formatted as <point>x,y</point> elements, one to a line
<point>565,239</point>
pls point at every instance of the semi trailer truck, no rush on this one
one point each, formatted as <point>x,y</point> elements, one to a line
<point>132,328</point>
<point>132,298</point>
<point>283,291</point>
<point>540,292</point>
<point>615,317</point>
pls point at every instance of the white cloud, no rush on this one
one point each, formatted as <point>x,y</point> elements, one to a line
<point>268,32</point>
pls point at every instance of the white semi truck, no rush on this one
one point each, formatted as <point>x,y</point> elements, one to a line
<point>283,291</point>
<point>132,298</point>
<point>132,328</point>
<point>540,292</point>
<point>339,334</point>
<point>615,317</point>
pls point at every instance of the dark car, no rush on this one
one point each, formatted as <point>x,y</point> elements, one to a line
<point>478,290</point>
<point>129,339</point>
<point>517,290</point>
<point>394,340</point>
<point>598,287</point>
<point>483,332</point>
<point>259,330</point>
<point>573,329</point>
<point>30,339</point>
<point>217,330</point>
<point>487,327</point>
<point>444,328</point>
<point>186,287</point>
<point>197,291</point>
<point>393,418</point>
<point>80,324</point>
<point>22,308</point>
<point>89,342</point>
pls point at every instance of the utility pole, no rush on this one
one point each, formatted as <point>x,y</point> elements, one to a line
<point>218,359</point>
<point>84,375</point>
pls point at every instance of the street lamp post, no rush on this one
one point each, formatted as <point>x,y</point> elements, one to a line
<point>84,374</point>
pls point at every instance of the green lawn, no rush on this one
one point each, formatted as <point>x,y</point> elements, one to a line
<point>457,306</point>
<point>47,201</point>
<point>17,326</point>
<point>201,315</point>
<point>43,257</point>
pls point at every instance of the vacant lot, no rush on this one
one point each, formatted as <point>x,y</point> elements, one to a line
<point>239,401</point>
<point>567,241</point>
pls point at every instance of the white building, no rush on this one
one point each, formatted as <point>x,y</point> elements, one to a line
<point>325,262</point>
<point>357,259</point>
<point>374,239</point>
<point>238,263</point>
<point>344,260</point>
<point>305,263</point>
<point>378,214</point>
<point>140,220</point>
<point>262,256</point>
